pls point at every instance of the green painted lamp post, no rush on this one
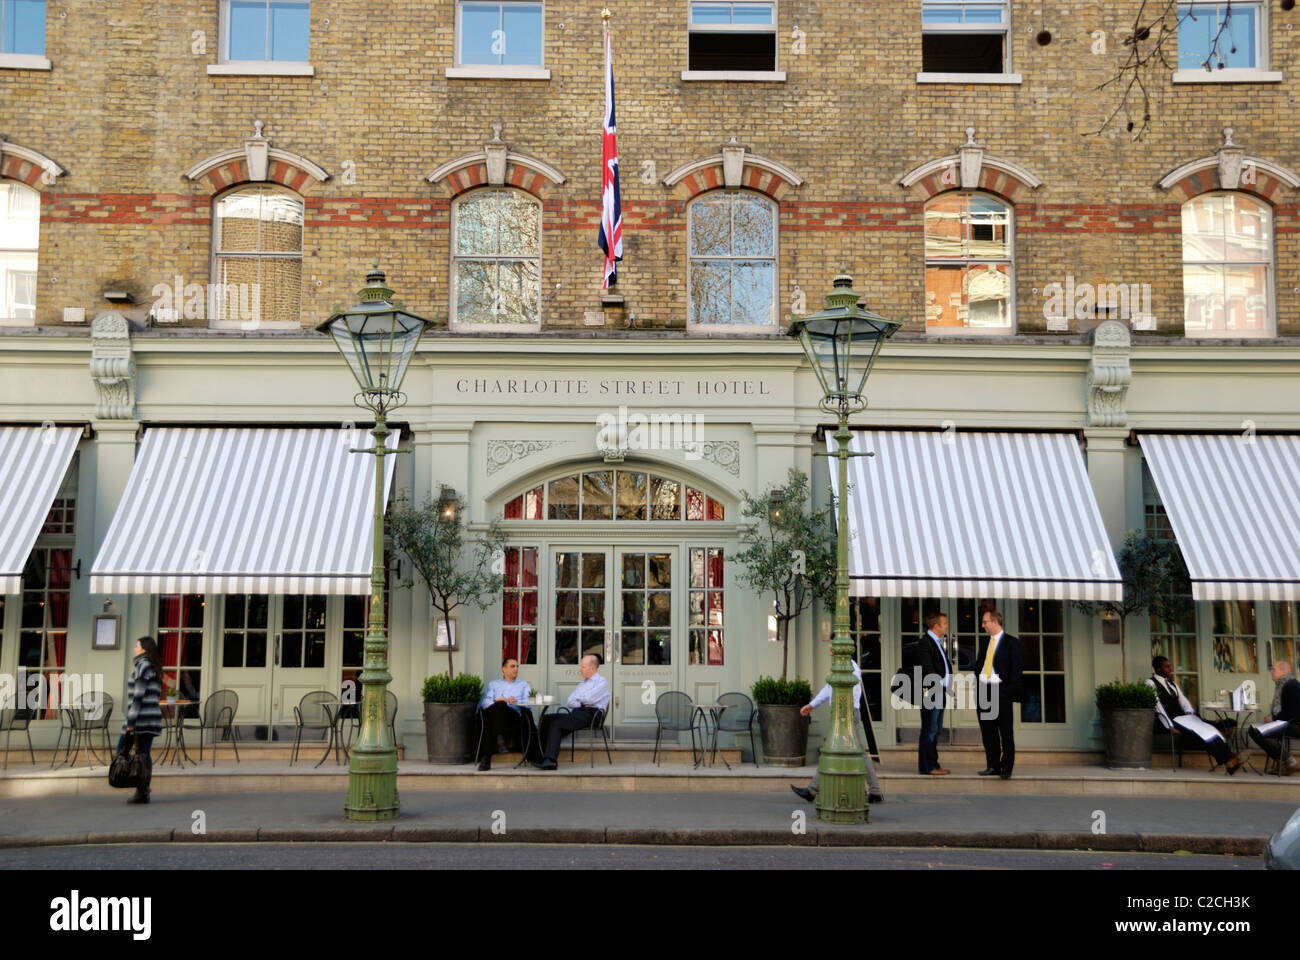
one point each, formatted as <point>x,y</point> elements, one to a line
<point>841,343</point>
<point>377,339</point>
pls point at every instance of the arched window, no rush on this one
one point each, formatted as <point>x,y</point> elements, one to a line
<point>1227,266</point>
<point>20,217</point>
<point>732,268</point>
<point>496,267</point>
<point>257,266</point>
<point>614,494</point>
<point>968,264</point>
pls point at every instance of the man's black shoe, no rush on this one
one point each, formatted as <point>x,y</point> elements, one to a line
<point>803,793</point>
<point>1006,775</point>
<point>988,772</point>
<point>485,763</point>
<point>546,765</point>
<point>874,798</point>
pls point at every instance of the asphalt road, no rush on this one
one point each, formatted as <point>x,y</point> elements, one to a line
<point>461,856</point>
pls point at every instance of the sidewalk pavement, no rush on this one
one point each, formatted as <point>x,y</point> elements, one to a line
<point>1239,827</point>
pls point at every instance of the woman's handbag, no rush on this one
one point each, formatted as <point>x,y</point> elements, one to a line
<point>127,768</point>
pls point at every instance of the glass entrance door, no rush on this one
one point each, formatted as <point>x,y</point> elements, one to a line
<point>272,653</point>
<point>620,604</point>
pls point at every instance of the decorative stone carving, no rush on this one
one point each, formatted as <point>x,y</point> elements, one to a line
<point>497,152</point>
<point>972,161</point>
<point>1231,158</point>
<point>724,453</point>
<point>502,453</point>
<point>112,367</point>
<point>1109,375</point>
<point>257,151</point>
<point>733,163</point>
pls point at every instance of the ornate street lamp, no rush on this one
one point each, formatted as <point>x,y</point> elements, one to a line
<point>841,343</point>
<point>377,339</point>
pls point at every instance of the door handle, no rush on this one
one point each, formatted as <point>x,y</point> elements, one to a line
<point>277,649</point>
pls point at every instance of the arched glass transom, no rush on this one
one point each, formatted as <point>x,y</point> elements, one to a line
<point>614,494</point>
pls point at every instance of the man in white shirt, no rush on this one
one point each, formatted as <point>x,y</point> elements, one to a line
<point>874,793</point>
<point>1175,713</point>
<point>503,706</point>
<point>999,669</point>
<point>587,699</point>
<point>936,682</point>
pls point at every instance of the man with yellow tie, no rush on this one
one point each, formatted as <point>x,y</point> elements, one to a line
<point>1001,683</point>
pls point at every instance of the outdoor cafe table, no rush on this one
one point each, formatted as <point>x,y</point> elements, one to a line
<point>177,750</point>
<point>715,711</point>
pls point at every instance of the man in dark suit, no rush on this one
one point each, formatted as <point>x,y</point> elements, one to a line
<point>936,681</point>
<point>1000,674</point>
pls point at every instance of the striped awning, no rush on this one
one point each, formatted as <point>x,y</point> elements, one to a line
<point>33,461</point>
<point>245,510</point>
<point>1234,503</point>
<point>965,514</point>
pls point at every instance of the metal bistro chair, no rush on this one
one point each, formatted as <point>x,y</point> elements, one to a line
<point>1175,751</point>
<point>218,714</point>
<point>89,713</point>
<point>597,726</point>
<point>674,712</point>
<point>1283,750</point>
<point>317,710</point>
<point>19,718</point>
<point>739,717</point>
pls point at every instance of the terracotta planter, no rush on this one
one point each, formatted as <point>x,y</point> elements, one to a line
<point>1127,733</point>
<point>784,734</point>
<point>450,732</point>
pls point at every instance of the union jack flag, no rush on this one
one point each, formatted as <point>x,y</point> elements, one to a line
<point>611,213</point>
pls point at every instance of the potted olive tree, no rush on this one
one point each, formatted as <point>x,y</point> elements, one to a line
<point>1155,580</point>
<point>789,554</point>
<point>433,537</point>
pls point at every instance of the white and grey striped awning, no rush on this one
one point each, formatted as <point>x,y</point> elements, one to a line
<point>1234,503</point>
<point>965,514</point>
<point>33,461</point>
<point>245,510</point>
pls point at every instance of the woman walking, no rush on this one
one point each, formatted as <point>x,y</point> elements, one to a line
<point>144,717</point>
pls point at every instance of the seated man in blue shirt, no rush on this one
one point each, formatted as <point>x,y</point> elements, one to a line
<point>504,706</point>
<point>588,698</point>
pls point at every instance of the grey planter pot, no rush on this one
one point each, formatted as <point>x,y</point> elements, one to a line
<point>1127,733</point>
<point>450,732</point>
<point>784,735</point>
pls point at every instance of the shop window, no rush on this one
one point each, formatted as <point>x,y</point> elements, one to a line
<point>43,630</point>
<point>864,628</point>
<point>266,30</point>
<point>732,263</point>
<point>22,27</point>
<point>1233,635</point>
<point>969,36</point>
<point>1220,36</point>
<point>245,631</point>
<point>356,624</point>
<point>180,641</point>
<point>732,37</point>
<point>646,604</point>
<point>705,599</point>
<point>1175,639</point>
<point>968,264</point>
<point>1227,266</point>
<point>1286,632</point>
<point>497,264</point>
<point>1042,647</point>
<point>505,33</point>
<point>303,636</point>
<point>257,269</point>
<point>20,214</point>
<point>614,495</point>
<point>579,606</point>
<point>519,605</point>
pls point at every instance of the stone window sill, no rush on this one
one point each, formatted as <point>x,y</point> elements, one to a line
<point>261,68</point>
<point>489,72</point>
<point>990,78</point>
<point>24,61</point>
<point>735,76</point>
<point>1235,75</point>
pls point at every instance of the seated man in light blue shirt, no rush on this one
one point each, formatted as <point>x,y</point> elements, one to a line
<point>502,713</point>
<point>588,698</point>
<point>874,793</point>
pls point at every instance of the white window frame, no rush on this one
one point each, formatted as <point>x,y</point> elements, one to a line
<point>1270,284</point>
<point>217,251</point>
<point>256,68</point>
<point>33,252</point>
<point>775,75</point>
<point>714,329</point>
<point>27,61</point>
<point>1260,73</point>
<point>970,262</point>
<point>493,71</point>
<point>453,323</point>
<point>1006,76</point>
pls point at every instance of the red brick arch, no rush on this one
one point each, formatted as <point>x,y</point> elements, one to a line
<point>475,175</point>
<point>1265,187</point>
<point>27,166</point>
